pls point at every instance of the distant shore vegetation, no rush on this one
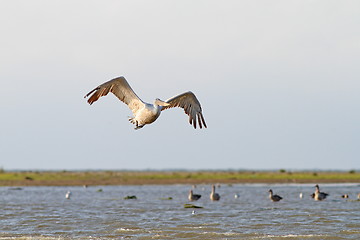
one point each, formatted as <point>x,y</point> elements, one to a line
<point>80,178</point>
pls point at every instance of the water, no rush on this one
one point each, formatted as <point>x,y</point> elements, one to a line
<point>45,213</point>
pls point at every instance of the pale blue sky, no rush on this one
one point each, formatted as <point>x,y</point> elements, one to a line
<point>278,82</point>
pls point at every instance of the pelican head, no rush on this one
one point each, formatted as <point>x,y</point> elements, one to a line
<point>161,103</point>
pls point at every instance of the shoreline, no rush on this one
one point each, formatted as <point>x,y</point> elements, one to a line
<point>97,178</point>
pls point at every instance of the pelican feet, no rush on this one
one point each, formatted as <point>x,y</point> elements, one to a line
<point>137,126</point>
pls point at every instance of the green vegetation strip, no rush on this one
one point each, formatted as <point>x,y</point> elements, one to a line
<point>74,178</point>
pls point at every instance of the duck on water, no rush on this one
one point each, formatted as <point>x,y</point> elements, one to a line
<point>213,195</point>
<point>317,195</point>
<point>274,197</point>
<point>193,197</point>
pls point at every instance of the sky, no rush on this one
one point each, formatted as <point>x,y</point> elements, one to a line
<point>278,82</point>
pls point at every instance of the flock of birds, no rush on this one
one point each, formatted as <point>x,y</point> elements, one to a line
<point>214,196</point>
<point>317,195</point>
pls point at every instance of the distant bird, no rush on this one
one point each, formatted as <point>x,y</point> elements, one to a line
<point>213,195</point>
<point>274,198</point>
<point>236,195</point>
<point>345,196</point>
<point>359,196</point>
<point>317,195</point>
<point>301,195</point>
<point>146,113</point>
<point>193,197</point>
<point>67,195</point>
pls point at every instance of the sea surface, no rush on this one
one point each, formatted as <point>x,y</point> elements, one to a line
<point>101,212</point>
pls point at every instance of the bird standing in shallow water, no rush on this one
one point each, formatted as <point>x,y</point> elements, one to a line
<point>193,197</point>
<point>213,195</point>
<point>274,198</point>
<point>146,113</point>
<point>317,195</point>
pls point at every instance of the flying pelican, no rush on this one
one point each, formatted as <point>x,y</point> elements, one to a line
<point>274,198</point>
<point>146,113</point>
<point>193,197</point>
<point>213,195</point>
<point>317,195</point>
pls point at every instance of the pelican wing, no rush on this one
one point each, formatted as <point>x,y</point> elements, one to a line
<point>121,89</point>
<point>191,106</point>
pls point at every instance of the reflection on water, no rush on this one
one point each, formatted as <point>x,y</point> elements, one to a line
<point>45,213</point>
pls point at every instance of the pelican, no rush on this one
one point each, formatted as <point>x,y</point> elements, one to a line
<point>193,197</point>
<point>317,195</point>
<point>146,113</point>
<point>213,195</point>
<point>274,198</point>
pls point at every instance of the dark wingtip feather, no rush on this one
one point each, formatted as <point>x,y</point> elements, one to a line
<point>203,120</point>
<point>199,120</point>
<point>91,99</point>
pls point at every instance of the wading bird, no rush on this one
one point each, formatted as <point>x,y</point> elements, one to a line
<point>274,198</point>
<point>146,113</point>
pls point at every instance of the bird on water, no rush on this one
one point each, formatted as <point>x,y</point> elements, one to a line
<point>68,195</point>
<point>213,195</point>
<point>345,196</point>
<point>146,113</point>
<point>317,195</point>
<point>274,198</point>
<point>193,197</point>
